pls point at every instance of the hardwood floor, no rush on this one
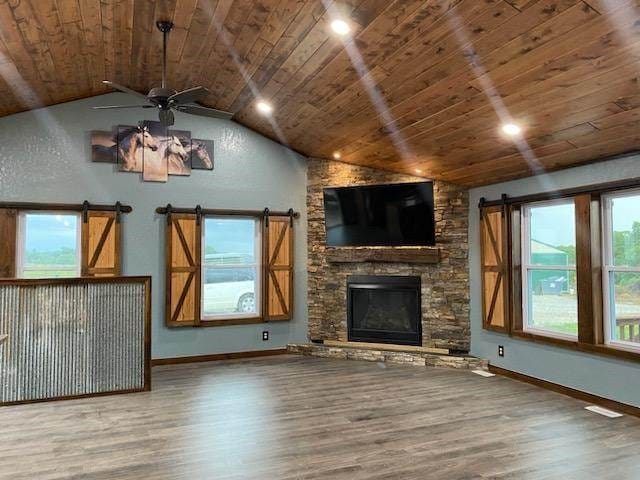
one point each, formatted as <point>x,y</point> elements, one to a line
<point>291,417</point>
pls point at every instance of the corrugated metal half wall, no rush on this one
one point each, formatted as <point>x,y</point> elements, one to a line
<point>73,337</point>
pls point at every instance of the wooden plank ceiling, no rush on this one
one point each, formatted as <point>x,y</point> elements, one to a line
<point>420,85</point>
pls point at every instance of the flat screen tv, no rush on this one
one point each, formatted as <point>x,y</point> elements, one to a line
<point>380,215</point>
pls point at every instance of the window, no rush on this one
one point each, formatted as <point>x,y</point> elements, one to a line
<point>549,297</point>
<point>49,245</point>
<point>228,267</point>
<point>621,269</point>
<point>40,240</point>
<point>231,267</point>
<point>573,272</point>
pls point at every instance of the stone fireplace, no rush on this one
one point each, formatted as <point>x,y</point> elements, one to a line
<point>384,309</point>
<point>444,282</point>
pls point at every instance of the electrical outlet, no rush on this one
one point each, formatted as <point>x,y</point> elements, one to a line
<point>265,335</point>
<point>500,351</point>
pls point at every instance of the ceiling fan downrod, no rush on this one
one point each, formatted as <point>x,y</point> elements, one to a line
<point>165,27</point>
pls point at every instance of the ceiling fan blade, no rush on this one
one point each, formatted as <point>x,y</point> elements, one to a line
<point>124,89</point>
<point>189,95</point>
<point>122,106</point>
<point>204,111</point>
<point>166,118</point>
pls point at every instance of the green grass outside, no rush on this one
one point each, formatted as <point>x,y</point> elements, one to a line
<point>568,328</point>
<point>55,271</point>
<point>572,328</point>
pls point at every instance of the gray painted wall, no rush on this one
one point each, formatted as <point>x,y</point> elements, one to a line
<point>607,377</point>
<point>45,157</point>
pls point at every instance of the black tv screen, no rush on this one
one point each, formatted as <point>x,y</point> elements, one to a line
<point>380,215</point>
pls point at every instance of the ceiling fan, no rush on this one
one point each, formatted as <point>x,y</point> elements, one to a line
<point>166,99</point>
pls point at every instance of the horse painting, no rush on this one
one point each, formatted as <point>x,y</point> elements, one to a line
<point>103,147</point>
<point>177,157</point>
<point>170,158</point>
<point>134,144</point>
<point>152,150</point>
<point>201,152</point>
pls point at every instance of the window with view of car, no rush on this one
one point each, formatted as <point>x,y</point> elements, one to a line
<point>49,245</point>
<point>231,268</point>
<point>621,269</point>
<point>550,305</point>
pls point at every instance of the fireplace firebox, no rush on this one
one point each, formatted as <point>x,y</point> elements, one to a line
<point>384,309</point>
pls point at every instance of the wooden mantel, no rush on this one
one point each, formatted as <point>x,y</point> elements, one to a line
<point>383,254</point>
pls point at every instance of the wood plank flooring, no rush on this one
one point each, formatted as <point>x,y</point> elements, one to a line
<point>294,417</point>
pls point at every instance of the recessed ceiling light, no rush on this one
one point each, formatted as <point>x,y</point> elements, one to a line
<point>337,155</point>
<point>418,170</point>
<point>511,129</point>
<point>264,107</point>
<point>340,27</point>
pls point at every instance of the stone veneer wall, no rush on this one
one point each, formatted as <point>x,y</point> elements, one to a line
<point>445,286</point>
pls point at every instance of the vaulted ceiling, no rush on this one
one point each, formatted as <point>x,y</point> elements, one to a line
<point>419,85</point>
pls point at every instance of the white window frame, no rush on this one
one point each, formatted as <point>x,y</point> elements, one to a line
<point>258,266</point>
<point>608,268</point>
<point>22,238</point>
<point>527,266</point>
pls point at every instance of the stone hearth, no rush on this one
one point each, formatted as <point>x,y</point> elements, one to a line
<point>418,359</point>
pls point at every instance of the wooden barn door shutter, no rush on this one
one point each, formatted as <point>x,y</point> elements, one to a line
<point>494,264</point>
<point>184,235</point>
<point>278,258</point>
<point>8,238</point>
<point>100,244</point>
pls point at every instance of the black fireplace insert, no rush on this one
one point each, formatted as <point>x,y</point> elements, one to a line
<point>384,309</point>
